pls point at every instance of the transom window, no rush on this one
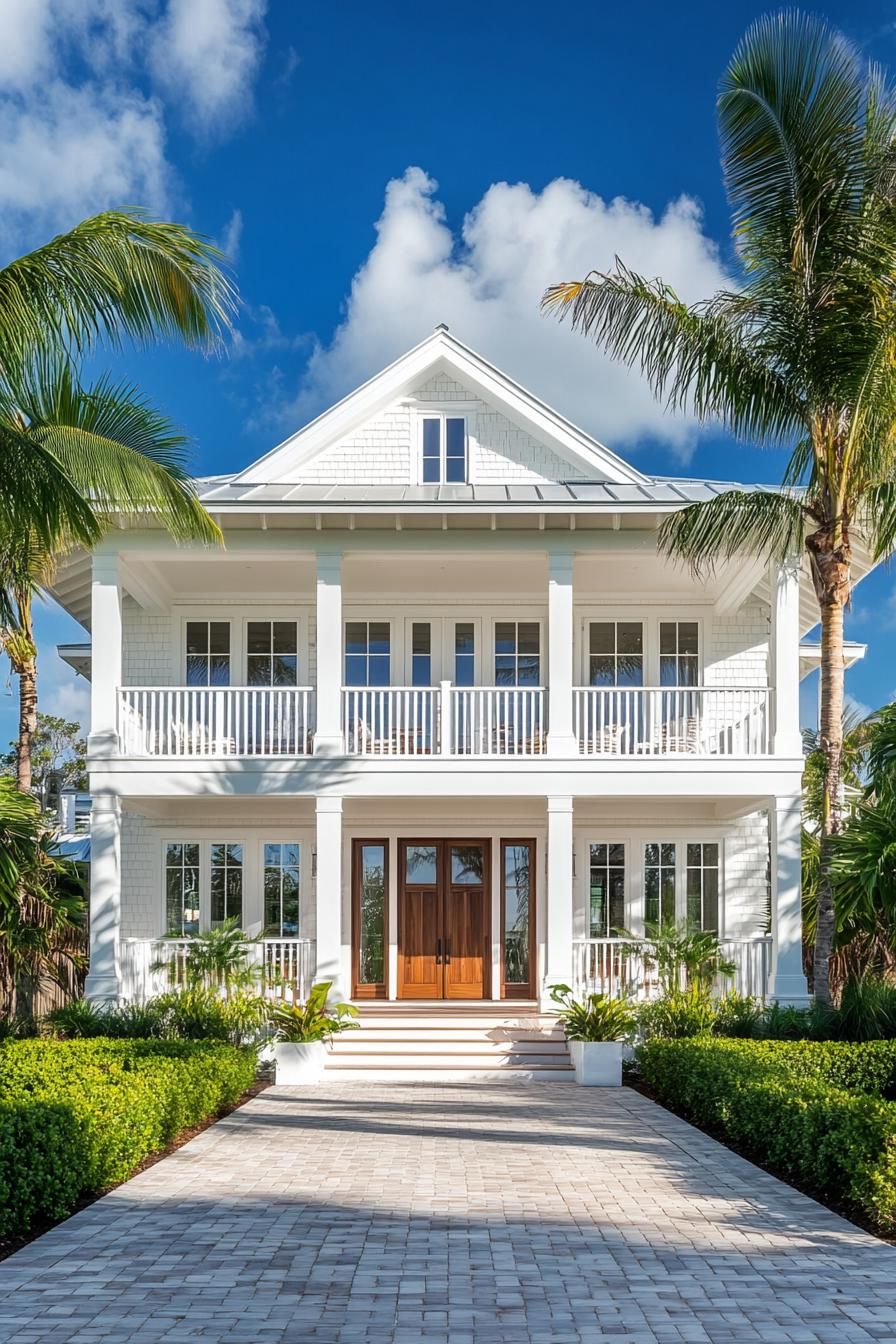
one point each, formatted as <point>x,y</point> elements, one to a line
<point>443,449</point>
<point>182,889</point>
<point>281,890</point>
<point>679,653</point>
<point>208,653</point>
<point>367,653</point>
<point>226,883</point>
<point>702,886</point>
<point>615,653</point>
<point>606,890</point>
<point>272,653</point>
<point>517,653</point>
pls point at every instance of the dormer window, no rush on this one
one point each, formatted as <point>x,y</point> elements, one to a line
<point>443,450</point>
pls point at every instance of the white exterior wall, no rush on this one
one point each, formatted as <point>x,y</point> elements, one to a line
<point>142,893</point>
<point>147,646</point>
<point>747,877</point>
<point>737,648</point>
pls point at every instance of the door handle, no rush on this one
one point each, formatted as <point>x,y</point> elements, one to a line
<point>438,951</point>
<point>447,951</point>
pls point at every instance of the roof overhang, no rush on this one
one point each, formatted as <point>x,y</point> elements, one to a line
<point>810,655</point>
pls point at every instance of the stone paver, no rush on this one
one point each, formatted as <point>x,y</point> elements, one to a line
<point>531,1213</point>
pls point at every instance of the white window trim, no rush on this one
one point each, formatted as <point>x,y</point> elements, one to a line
<point>442,410</point>
<point>650,617</point>
<point>253,870</point>
<point>238,617</point>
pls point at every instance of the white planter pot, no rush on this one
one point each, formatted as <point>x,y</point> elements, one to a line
<point>597,1063</point>
<point>299,1063</point>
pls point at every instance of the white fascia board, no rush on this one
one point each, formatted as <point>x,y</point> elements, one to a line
<point>440,352</point>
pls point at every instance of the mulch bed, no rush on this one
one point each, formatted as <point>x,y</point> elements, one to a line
<point>9,1245</point>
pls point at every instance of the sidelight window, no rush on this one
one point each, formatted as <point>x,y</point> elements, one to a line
<point>182,889</point>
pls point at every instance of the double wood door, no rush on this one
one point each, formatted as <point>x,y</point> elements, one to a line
<point>444,919</point>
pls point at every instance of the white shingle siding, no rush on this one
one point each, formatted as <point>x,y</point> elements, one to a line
<point>385,450</point>
<point>747,877</point>
<point>142,901</point>
<point>146,646</point>
<point>738,648</point>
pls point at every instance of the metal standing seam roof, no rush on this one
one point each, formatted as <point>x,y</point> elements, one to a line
<point>221,490</point>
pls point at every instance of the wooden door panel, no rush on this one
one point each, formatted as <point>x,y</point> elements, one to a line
<point>465,943</point>
<point>419,976</point>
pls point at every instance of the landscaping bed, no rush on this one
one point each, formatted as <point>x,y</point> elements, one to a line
<point>77,1117</point>
<point>816,1113</point>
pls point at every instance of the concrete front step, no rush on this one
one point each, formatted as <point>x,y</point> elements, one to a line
<point>362,1042</point>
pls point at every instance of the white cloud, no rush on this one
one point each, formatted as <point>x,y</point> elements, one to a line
<point>232,236</point>
<point>87,88</point>
<point>486,284</point>
<point>207,53</point>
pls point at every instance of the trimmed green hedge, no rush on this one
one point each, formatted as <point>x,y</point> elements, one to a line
<point>79,1116</point>
<point>811,1110</point>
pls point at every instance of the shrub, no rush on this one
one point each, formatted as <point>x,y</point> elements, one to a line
<point>867,1009</point>
<point>810,1110</point>
<point>598,1018</point>
<point>737,1015</point>
<point>685,1012</point>
<point>79,1116</point>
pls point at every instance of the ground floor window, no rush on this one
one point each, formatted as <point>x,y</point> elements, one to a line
<point>256,882</point>
<point>702,886</point>
<point>606,890</point>
<point>182,889</point>
<point>633,883</point>
<point>659,883</point>
<point>281,890</point>
<point>226,883</point>
<point>370,910</point>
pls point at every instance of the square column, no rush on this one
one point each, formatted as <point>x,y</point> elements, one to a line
<point>328,895</point>
<point>558,963</point>
<point>104,975</point>
<point>561,741</point>
<point>106,662</point>
<point>787,983</point>
<point>328,740</point>
<point>784,658</point>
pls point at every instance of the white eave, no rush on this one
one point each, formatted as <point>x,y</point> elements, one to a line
<point>442,353</point>
<point>810,655</point>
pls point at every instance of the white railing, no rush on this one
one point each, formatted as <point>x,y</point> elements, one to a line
<point>623,968</point>
<point>153,966</point>
<point>671,721</point>
<point>391,721</point>
<point>494,721</point>
<point>209,721</point>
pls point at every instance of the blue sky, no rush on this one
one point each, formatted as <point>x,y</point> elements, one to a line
<point>377,169</point>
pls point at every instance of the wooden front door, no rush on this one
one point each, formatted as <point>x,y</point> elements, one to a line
<point>444,904</point>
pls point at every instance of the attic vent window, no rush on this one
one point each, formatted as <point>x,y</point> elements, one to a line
<point>444,450</point>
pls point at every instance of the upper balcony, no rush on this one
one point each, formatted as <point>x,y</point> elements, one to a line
<point>481,722</point>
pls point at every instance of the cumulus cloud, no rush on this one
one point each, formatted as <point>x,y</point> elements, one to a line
<point>87,88</point>
<point>207,52</point>
<point>486,282</point>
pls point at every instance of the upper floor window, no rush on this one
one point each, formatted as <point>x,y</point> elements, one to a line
<point>208,653</point>
<point>272,649</point>
<point>517,653</point>
<point>421,653</point>
<point>443,449</point>
<point>615,653</point>
<point>679,653</point>
<point>367,653</point>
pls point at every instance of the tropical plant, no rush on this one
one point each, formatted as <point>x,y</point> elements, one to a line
<point>800,351</point>
<point>737,1015</point>
<point>216,958</point>
<point>596,1018</point>
<point>677,1014</point>
<point>313,1020</point>
<point>41,902</point>
<point>79,1019</point>
<point>116,450</point>
<point>683,955</point>
<point>867,1009</point>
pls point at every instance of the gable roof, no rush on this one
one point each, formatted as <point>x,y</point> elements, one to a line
<point>443,353</point>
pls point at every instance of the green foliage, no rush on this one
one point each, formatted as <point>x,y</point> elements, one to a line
<point>867,1010</point>
<point>684,1012</point>
<point>193,1014</point>
<point>598,1018</point>
<point>78,1019</point>
<point>683,954</point>
<point>79,1116</point>
<point>58,758</point>
<point>313,1020</point>
<point>812,1111</point>
<point>215,959</point>
<point>737,1015</point>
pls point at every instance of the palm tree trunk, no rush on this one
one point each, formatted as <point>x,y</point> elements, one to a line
<point>27,671</point>
<point>831,573</point>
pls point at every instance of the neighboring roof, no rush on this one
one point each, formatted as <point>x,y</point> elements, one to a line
<point>441,353</point>
<point>75,847</point>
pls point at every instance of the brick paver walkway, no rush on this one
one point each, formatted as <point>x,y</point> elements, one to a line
<point>508,1212</point>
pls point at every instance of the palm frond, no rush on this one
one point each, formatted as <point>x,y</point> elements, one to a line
<point>736,523</point>
<point>698,358</point>
<point>39,495</point>
<point>115,274</point>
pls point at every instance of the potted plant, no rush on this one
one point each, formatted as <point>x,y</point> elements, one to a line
<point>301,1031</point>
<point>596,1030</point>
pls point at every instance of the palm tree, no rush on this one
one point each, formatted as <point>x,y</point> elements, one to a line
<point>115,450</point>
<point>116,275</point>
<point>801,354</point>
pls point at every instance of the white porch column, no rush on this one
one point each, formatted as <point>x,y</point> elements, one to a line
<point>104,975</point>
<point>328,739</point>
<point>328,893</point>
<point>558,964</point>
<point>784,660</point>
<point>105,674</point>
<point>561,741</point>
<point>787,982</point>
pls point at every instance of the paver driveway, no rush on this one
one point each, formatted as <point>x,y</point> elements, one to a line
<point>469,1212</point>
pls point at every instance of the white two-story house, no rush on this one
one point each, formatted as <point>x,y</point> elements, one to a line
<point>437,720</point>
